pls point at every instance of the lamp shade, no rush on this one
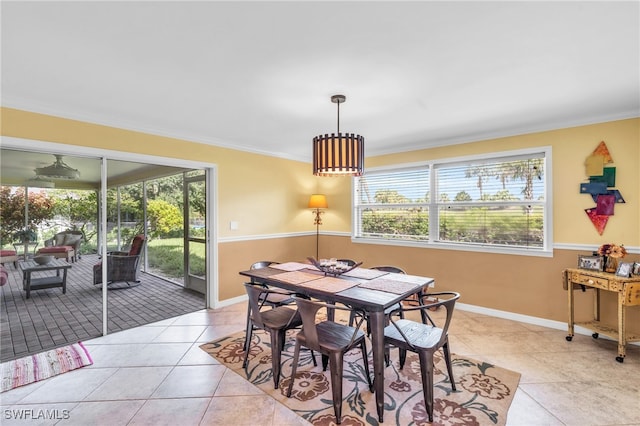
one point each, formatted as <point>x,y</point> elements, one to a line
<point>338,155</point>
<point>318,201</point>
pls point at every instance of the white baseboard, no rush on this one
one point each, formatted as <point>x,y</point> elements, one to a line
<point>527,319</point>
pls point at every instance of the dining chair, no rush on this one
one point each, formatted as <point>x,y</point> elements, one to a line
<point>332,340</point>
<point>424,339</point>
<point>273,299</point>
<point>275,321</point>
<point>385,268</point>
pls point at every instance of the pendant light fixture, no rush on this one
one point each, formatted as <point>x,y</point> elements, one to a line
<point>338,154</point>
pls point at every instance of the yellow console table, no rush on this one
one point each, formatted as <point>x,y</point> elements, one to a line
<point>628,290</point>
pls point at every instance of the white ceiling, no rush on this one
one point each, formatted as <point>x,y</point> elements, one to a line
<point>258,76</point>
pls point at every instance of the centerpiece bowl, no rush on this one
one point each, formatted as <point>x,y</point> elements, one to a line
<point>331,267</point>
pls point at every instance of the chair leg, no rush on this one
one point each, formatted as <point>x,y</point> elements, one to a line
<point>294,367</point>
<point>403,357</point>
<point>325,362</point>
<point>246,334</point>
<point>352,318</point>
<point>336,370</point>
<point>247,343</point>
<point>447,359</point>
<point>277,343</point>
<point>426,370</point>
<point>365,360</point>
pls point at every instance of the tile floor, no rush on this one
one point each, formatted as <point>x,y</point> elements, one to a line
<point>49,319</point>
<point>157,375</point>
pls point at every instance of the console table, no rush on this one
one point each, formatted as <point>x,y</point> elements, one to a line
<point>30,284</point>
<point>628,290</point>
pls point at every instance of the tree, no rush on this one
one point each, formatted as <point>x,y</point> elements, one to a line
<point>78,209</point>
<point>525,170</point>
<point>12,211</point>
<point>462,196</point>
<point>482,173</point>
<point>390,196</point>
<point>164,218</point>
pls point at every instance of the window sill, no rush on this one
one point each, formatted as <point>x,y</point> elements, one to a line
<point>457,247</point>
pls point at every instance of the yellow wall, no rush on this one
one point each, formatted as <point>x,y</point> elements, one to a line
<point>268,196</point>
<point>265,195</point>
<point>570,147</point>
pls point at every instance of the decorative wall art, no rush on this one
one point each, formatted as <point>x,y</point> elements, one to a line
<point>602,180</point>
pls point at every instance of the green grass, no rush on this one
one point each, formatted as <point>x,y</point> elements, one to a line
<point>167,255</point>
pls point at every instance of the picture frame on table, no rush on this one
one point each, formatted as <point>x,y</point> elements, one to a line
<point>624,269</point>
<point>592,263</point>
<point>636,268</point>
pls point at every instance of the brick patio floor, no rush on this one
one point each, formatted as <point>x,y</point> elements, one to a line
<point>49,319</point>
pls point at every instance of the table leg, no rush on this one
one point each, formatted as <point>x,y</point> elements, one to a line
<point>622,332</point>
<point>27,283</point>
<point>64,281</point>
<point>570,294</point>
<point>376,320</point>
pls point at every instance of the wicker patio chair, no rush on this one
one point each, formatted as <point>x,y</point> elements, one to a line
<point>122,266</point>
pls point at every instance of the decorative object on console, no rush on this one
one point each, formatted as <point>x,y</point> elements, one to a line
<point>338,154</point>
<point>612,253</point>
<point>624,269</point>
<point>317,202</point>
<point>601,179</point>
<point>592,263</point>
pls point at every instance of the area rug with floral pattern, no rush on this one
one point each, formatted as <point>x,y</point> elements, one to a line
<point>483,396</point>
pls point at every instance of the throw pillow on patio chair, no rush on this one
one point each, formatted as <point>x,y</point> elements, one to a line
<point>122,266</point>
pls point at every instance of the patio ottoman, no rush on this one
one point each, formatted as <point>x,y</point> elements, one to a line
<point>8,256</point>
<point>60,252</point>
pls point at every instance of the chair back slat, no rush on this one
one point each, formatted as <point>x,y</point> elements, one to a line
<point>255,302</point>
<point>448,303</point>
<point>308,312</point>
<point>389,268</point>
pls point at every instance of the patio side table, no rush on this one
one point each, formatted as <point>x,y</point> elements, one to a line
<point>29,283</point>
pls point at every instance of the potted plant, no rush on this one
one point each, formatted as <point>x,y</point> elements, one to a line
<point>25,236</point>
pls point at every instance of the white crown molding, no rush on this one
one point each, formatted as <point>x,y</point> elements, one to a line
<point>126,125</point>
<point>22,104</point>
<point>511,132</point>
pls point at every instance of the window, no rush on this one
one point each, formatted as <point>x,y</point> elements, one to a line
<point>498,202</point>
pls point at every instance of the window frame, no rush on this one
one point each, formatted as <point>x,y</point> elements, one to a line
<point>433,204</point>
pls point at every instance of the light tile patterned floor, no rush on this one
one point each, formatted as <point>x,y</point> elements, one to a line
<point>157,375</point>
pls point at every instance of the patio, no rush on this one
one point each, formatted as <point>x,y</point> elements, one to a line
<point>49,319</point>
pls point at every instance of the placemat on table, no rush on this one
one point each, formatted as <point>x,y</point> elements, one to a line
<point>367,274</point>
<point>295,277</point>
<point>389,285</point>
<point>291,266</point>
<point>413,279</point>
<point>329,284</point>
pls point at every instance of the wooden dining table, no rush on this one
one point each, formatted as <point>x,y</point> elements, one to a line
<point>369,290</point>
